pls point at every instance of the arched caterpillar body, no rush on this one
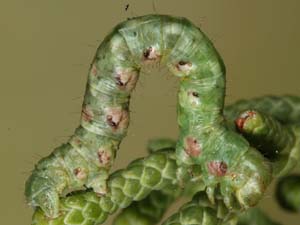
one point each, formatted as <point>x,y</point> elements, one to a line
<point>227,161</point>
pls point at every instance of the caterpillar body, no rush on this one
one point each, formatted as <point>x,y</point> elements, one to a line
<point>228,164</point>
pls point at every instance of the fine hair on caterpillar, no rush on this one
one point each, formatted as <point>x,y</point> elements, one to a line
<point>235,175</point>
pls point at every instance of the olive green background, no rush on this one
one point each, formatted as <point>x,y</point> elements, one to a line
<point>46,48</point>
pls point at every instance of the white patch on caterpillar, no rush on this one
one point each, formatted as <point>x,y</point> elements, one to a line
<point>194,98</point>
<point>172,29</point>
<point>184,66</point>
<point>192,147</point>
<point>151,56</point>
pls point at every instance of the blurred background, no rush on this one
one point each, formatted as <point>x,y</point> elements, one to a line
<point>46,48</point>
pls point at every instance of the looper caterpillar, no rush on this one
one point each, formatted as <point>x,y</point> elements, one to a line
<point>235,175</point>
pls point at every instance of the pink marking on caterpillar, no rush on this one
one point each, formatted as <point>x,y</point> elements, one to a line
<point>192,148</point>
<point>103,157</point>
<point>117,118</point>
<point>80,173</point>
<point>217,168</point>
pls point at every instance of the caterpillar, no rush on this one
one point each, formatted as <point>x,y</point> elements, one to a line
<point>225,159</point>
<point>73,209</point>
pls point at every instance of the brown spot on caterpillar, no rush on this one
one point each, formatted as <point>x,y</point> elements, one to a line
<point>79,173</point>
<point>77,141</point>
<point>126,80</point>
<point>194,97</point>
<point>195,94</point>
<point>217,168</point>
<point>240,121</point>
<point>192,147</point>
<point>103,157</point>
<point>119,81</point>
<point>151,54</point>
<point>86,114</point>
<point>183,66</point>
<point>111,121</point>
<point>117,118</point>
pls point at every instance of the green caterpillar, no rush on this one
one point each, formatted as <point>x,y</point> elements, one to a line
<point>226,161</point>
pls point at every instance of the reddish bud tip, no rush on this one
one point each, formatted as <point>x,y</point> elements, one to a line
<point>240,121</point>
